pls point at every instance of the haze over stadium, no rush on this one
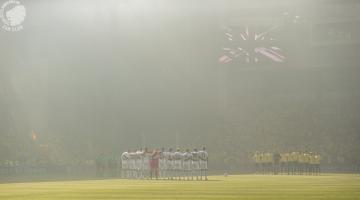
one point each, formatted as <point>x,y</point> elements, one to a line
<point>103,89</point>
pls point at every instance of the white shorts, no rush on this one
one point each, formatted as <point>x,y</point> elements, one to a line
<point>203,164</point>
<point>195,165</point>
<point>187,165</point>
<point>169,165</point>
<point>132,164</point>
<point>138,164</point>
<point>162,164</point>
<point>124,164</point>
<point>146,164</point>
<point>177,164</point>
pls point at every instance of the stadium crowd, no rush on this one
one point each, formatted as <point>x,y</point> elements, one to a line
<point>291,163</point>
<point>38,167</point>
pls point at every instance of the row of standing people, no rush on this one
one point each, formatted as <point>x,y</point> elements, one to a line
<point>291,163</point>
<point>165,164</point>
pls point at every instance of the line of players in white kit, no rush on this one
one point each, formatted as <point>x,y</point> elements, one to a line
<point>172,165</point>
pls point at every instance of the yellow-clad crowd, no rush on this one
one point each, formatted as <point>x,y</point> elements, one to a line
<point>295,162</point>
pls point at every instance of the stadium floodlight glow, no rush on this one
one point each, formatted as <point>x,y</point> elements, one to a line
<point>250,46</point>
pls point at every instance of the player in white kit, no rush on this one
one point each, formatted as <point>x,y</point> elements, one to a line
<point>195,164</point>
<point>139,163</point>
<point>162,163</point>
<point>146,163</point>
<point>203,155</point>
<point>132,164</point>
<point>125,159</point>
<point>178,156</point>
<point>169,164</point>
<point>187,157</point>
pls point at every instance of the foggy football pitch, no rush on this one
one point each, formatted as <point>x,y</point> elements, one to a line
<point>334,186</point>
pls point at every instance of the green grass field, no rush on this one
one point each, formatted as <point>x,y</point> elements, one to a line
<point>334,186</point>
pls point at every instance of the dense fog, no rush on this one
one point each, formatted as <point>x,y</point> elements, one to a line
<point>87,77</point>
